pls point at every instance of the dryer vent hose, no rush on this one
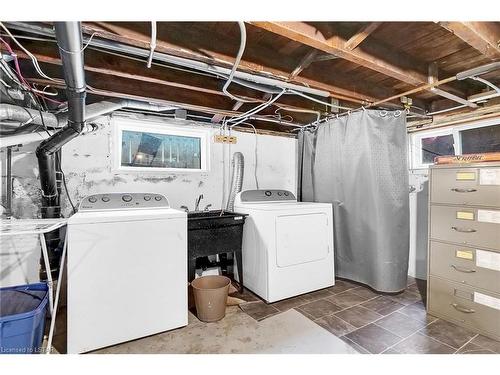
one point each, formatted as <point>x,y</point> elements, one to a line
<point>236,180</point>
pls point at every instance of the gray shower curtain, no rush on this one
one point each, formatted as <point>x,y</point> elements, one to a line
<point>359,164</point>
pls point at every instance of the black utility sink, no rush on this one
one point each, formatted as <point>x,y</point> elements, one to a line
<point>213,219</point>
<point>214,232</point>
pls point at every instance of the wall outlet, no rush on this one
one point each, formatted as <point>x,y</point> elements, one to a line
<point>224,139</point>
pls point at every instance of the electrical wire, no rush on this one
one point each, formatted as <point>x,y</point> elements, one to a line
<point>5,83</point>
<point>243,40</point>
<point>20,75</point>
<point>77,52</point>
<point>152,44</point>
<point>32,57</point>
<point>244,116</point>
<point>44,90</point>
<point>319,101</point>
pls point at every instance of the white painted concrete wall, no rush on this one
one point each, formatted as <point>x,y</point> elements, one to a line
<point>88,164</point>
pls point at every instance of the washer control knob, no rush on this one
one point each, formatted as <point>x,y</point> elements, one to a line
<point>92,199</point>
<point>158,198</point>
<point>105,199</point>
<point>286,193</point>
<point>280,193</point>
<point>268,193</point>
<point>147,198</point>
<point>126,198</point>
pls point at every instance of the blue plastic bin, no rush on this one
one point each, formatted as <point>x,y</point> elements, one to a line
<point>22,318</point>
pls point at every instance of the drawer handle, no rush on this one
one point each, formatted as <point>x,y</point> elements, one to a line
<point>457,190</point>
<point>462,230</point>
<point>460,269</point>
<point>463,309</point>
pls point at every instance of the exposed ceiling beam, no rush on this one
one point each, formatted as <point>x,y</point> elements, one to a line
<point>188,106</point>
<point>361,35</point>
<point>325,57</point>
<point>306,34</point>
<point>129,37</point>
<point>218,117</point>
<point>304,63</point>
<point>483,36</point>
<point>127,71</point>
<point>126,36</point>
<point>433,77</point>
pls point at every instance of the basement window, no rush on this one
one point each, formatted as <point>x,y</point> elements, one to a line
<point>485,139</point>
<point>145,147</point>
<point>475,137</point>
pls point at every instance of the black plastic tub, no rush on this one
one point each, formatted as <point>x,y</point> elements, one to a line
<point>210,233</point>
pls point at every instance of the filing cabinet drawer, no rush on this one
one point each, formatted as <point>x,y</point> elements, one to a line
<point>466,186</point>
<point>465,265</point>
<point>473,308</point>
<point>468,226</point>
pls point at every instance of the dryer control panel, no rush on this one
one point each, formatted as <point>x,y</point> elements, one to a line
<point>269,195</point>
<point>119,201</point>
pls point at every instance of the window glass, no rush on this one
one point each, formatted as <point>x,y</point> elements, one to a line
<point>437,146</point>
<point>485,139</point>
<point>141,149</point>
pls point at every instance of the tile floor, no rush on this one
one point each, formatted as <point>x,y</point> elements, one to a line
<point>376,323</point>
<point>367,321</point>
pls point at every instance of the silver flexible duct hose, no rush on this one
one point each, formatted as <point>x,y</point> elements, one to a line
<point>236,180</point>
<point>26,115</point>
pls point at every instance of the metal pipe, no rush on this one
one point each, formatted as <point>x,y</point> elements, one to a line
<point>487,83</point>
<point>483,69</point>
<point>69,40</point>
<point>8,198</point>
<point>188,63</point>
<point>24,115</point>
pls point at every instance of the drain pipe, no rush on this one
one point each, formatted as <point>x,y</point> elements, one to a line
<point>69,40</point>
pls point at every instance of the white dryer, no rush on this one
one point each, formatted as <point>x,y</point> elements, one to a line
<point>287,245</point>
<point>127,270</point>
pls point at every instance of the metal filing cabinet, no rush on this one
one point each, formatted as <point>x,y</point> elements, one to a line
<point>464,246</point>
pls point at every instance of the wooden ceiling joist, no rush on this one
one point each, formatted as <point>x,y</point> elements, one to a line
<point>306,34</point>
<point>306,61</point>
<point>137,40</point>
<point>361,35</point>
<point>483,36</point>
<point>128,71</point>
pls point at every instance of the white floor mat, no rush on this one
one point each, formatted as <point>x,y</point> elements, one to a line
<point>287,333</point>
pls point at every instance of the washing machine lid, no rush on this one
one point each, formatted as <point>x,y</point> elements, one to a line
<point>274,200</point>
<point>284,206</point>
<point>112,207</point>
<point>95,217</point>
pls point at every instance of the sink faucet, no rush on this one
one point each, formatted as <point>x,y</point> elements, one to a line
<point>207,207</point>
<point>185,208</point>
<point>197,203</point>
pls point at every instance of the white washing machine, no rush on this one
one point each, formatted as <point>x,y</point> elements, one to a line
<point>127,270</point>
<point>287,245</point>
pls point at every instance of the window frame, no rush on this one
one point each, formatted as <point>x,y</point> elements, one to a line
<point>158,127</point>
<point>415,141</point>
